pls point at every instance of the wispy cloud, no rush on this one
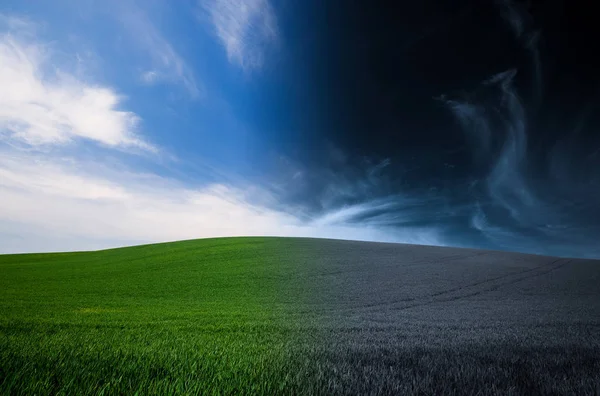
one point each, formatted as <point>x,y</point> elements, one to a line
<point>41,104</point>
<point>150,76</point>
<point>500,113</point>
<point>522,210</point>
<point>473,120</point>
<point>245,28</point>
<point>167,64</point>
<point>348,213</point>
<point>344,191</point>
<point>515,15</point>
<point>521,23</point>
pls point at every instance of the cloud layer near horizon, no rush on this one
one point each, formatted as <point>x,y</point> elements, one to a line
<point>93,207</point>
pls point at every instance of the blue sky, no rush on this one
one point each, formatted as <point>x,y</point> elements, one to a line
<point>126,122</point>
<point>182,78</point>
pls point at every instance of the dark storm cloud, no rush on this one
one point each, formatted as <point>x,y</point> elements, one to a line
<point>476,120</point>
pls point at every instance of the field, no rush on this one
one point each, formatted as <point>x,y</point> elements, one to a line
<point>298,316</point>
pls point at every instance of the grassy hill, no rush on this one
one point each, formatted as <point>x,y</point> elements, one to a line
<point>176,317</point>
<point>288,316</point>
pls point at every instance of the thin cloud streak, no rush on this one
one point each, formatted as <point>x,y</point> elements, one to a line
<point>167,64</point>
<point>520,21</point>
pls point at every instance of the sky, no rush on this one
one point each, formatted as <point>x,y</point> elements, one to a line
<point>447,123</point>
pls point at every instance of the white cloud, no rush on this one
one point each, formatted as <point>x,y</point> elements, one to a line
<point>41,104</point>
<point>245,28</point>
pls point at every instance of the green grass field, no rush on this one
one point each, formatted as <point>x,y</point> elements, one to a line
<point>214,315</point>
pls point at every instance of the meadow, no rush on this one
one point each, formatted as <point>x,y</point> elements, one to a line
<point>298,316</point>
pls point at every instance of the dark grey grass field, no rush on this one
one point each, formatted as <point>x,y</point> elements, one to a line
<point>407,319</point>
<point>299,316</point>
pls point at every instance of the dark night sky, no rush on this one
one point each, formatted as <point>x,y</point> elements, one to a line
<point>474,118</point>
